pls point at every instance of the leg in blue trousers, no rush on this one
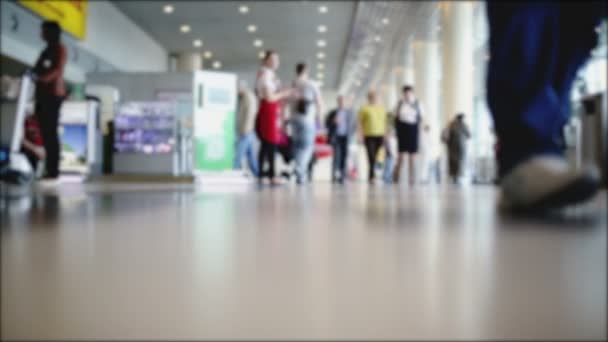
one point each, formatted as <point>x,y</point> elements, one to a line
<point>536,48</point>
<point>245,148</point>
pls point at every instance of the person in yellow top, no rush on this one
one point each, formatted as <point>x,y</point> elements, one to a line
<point>372,123</point>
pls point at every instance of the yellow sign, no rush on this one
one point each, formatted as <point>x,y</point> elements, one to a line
<point>70,14</point>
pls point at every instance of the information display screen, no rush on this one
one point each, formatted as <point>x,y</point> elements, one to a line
<point>145,127</point>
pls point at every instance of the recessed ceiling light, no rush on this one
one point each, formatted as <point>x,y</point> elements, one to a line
<point>208,54</point>
<point>217,65</point>
<point>322,28</point>
<point>385,21</point>
<point>168,9</point>
<point>197,43</point>
<point>261,54</point>
<point>377,38</point>
<point>323,9</point>
<point>243,9</point>
<point>320,55</point>
<point>185,28</point>
<point>252,28</point>
<point>320,66</point>
<point>366,65</point>
<point>321,43</point>
<point>258,43</point>
<point>320,75</point>
<point>358,83</point>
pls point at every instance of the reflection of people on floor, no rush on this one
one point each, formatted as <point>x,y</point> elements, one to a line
<point>32,145</point>
<point>536,50</point>
<point>455,137</point>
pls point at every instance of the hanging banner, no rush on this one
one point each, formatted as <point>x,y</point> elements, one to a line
<point>70,14</point>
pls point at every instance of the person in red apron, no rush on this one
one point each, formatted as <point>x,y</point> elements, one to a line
<point>268,125</point>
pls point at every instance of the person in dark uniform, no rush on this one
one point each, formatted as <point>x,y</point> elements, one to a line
<point>50,93</point>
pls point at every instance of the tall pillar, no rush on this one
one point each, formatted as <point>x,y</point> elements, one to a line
<point>426,85</point>
<point>189,61</point>
<point>391,96</point>
<point>457,58</point>
<point>408,63</point>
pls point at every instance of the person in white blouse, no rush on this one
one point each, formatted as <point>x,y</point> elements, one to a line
<point>268,118</point>
<point>407,126</point>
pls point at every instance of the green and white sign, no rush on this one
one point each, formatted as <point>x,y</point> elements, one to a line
<point>215,97</point>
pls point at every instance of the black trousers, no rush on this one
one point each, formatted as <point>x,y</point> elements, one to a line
<point>373,145</point>
<point>47,111</point>
<point>340,146</point>
<point>267,153</point>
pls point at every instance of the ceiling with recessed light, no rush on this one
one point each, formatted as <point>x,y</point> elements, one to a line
<point>236,32</point>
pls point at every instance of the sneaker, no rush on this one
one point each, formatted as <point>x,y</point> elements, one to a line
<point>547,182</point>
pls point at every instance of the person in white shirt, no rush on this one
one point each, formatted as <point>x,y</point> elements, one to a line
<point>306,106</point>
<point>268,125</point>
<point>408,115</point>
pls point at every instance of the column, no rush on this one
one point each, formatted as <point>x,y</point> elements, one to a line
<point>426,87</point>
<point>457,58</point>
<point>189,61</point>
<point>408,63</point>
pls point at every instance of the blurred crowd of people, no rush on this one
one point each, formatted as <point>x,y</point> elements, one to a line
<point>287,121</point>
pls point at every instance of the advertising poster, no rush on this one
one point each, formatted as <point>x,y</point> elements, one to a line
<point>73,139</point>
<point>215,97</point>
<point>145,127</point>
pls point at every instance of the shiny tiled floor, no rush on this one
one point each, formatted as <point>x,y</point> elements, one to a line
<point>231,262</point>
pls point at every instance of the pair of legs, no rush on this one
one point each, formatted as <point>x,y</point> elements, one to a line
<point>266,154</point>
<point>47,111</point>
<point>434,171</point>
<point>303,147</point>
<point>389,161</point>
<point>338,167</point>
<point>372,146</point>
<point>455,166</point>
<point>245,148</point>
<point>536,50</point>
<point>411,157</point>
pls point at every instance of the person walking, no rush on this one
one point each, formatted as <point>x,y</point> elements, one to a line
<point>372,123</point>
<point>305,108</point>
<point>390,150</point>
<point>536,50</point>
<point>340,124</point>
<point>245,123</point>
<point>268,125</point>
<point>407,125</point>
<point>430,144</point>
<point>50,93</point>
<point>455,136</point>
